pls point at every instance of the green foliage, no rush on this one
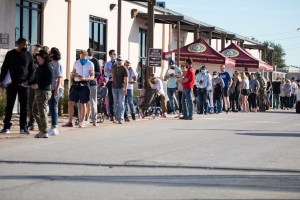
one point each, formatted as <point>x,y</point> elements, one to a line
<point>2,103</point>
<point>278,54</point>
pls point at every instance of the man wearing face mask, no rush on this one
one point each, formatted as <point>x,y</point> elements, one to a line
<point>203,83</point>
<point>171,84</point>
<point>19,63</point>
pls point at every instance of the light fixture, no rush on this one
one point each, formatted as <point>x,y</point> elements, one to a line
<point>298,29</point>
<point>112,6</point>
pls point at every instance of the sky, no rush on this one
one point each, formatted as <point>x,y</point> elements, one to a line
<point>266,20</point>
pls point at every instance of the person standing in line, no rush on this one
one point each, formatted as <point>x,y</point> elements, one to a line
<point>119,75</point>
<point>282,93</point>
<point>83,73</point>
<point>294,93</point>
<point>187,97</point>
<point>132,79</point>
<point>276,93</point>
<point>244,92</point>
<point>180,76</point>
<point>227,81</point>
<point>235,92</point>
<point>92,105</point>
<point>171,85</point>
<point>268,90</point>
<point>210,95</point>
<point>203,84</point>
<point>262,92</point>
<point>217,86</point>
<point>56,89</point>
<point>107,73</point>
<point>42,85</point>
<point>31,121</point>
<point>19,63</point>
<point>287,89</point>
<point>254,88</point>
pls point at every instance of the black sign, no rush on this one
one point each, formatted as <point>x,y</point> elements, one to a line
<point>154,57</point>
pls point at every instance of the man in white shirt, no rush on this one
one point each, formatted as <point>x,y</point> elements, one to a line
<point>203,84</point>
<point>83,72</point>
<point>157,85</point>
<point>294,92</point>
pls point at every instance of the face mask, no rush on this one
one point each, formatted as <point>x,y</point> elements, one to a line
<point>24,49</point>
<point>203,71</point>
<point>115,57</point>
<point>215,76</point>
<point>83,61</point>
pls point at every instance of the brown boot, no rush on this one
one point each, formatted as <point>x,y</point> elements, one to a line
<point>127,119</point>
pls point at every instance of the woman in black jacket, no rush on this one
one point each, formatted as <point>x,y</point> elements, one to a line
<point>42,85</point>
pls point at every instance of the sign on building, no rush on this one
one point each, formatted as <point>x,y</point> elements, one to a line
<point>4,41</point>
<point>154,57</point>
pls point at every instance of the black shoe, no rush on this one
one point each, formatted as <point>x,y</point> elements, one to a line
<point>24,131</point>
<point>183,118</point>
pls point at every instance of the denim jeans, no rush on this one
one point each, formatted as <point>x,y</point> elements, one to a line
<point>276,101</point>
<point>187,103</point>
<point>93,102</point>
<point>171,93</point>
<point>129,100</point>
<point>119,101</point>
<point>53,102</point>
<point>217,105</point>
<point>202,95</point>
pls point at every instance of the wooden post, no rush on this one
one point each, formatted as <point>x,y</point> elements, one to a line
<point>178,43</point>
<point>119,27</point>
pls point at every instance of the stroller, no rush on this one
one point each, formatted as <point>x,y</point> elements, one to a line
<point>149,104</point>
<point>102,99</point>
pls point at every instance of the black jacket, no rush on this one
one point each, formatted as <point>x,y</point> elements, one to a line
<point>43,76</point>
<point>20,66</point>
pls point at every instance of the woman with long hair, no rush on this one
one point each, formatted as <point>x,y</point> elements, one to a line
<point>56,89</point>
<point>42,86</point>
<point>244,92</point>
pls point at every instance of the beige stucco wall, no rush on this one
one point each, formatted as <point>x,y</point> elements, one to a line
<point>7,20</point>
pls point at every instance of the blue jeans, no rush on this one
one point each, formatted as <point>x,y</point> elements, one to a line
<point>53,102</point>
<point>217,106</point>
<point>202,96</point>
<point>187,103</point>
<point>171,93</point>
<point>119,101</point>
<point>129,100</point>
<point>276,101</point>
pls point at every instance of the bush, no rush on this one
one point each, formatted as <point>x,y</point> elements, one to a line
<point>2,102</point>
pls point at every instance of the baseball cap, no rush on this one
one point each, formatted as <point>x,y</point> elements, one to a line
<point>171,62</point>
<point>120,58</point>
<point>127,61</point>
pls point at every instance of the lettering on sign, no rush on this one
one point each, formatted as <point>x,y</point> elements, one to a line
<point>4,41</point>
<point>154,57</point>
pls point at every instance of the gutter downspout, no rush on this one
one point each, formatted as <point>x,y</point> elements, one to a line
<point>68,72</point>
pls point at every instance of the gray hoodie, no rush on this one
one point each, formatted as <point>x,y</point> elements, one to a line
<point>287,89</point>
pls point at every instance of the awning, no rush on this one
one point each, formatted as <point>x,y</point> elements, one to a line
<point>244,59</point>
<point>201,52</point>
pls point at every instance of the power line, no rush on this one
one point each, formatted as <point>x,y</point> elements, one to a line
<point>285,38</point>
<point>275,34</point>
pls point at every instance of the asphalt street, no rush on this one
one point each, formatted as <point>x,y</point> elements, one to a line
<point>226,156</point>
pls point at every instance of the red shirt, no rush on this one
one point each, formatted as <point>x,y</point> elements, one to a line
<point>190,75</point>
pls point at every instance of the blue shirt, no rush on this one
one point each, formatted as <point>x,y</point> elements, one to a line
<point>172,79</point>
<point>108,66</point>
<point>203,81</point>
<point>226,78</point>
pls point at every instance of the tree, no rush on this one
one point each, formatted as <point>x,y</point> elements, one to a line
<point>278,54</point>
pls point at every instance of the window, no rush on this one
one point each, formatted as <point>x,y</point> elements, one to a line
<point>143,37</point>
<point>97,37</point>
<point>28,21</point>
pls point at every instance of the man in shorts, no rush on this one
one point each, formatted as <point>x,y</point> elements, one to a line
<point>227,83</point>
<point>83,72</point>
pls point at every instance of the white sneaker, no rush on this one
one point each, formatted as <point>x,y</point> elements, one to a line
<point>53,132</point>
<point>56,132</point>
<point>5,131</point>
<point>81,125</point>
